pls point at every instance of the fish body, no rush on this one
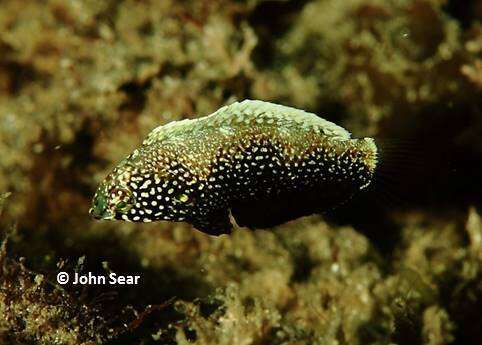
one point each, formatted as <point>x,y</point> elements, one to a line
<point>263,163</point>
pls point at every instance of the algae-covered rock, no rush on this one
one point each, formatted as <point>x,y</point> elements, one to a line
<point>377,58</point>
<point>82,82</point>
<point>36,311</point>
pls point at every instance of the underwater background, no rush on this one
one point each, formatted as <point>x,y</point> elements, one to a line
<point>83,82</point>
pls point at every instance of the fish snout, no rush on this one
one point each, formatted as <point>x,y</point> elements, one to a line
<point>99,209</point>
<point>94,214</point>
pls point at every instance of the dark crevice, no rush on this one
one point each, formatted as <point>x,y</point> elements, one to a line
<point>303,264</point>
<point>466,12</point>
<point>465,308</point>
<point>19,75</point>
<point>136,96</point>
<point>271,20</point>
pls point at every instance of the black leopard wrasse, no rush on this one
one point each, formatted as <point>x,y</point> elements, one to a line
<point>260,162</point>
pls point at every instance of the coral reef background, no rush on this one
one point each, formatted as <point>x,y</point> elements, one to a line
<point>82,82</point>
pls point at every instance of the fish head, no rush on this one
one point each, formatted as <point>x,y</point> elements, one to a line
<point>113,198</point>
<point>144,192</point>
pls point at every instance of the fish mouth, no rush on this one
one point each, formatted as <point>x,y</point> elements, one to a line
<point>106,215</point>
<point>100,207</point>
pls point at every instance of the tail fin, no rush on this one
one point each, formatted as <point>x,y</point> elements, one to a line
<point>406,171</point>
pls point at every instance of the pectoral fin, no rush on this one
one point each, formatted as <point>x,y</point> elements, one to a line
<point>215,223</point>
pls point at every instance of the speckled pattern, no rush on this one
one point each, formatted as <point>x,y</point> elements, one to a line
<point>264,163</point>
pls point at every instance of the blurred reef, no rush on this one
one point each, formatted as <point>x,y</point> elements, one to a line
<point>83,81</point>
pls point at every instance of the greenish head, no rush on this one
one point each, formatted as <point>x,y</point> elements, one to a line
<point>146,187</point>
<point>99,206</point>
<point>111,203</point>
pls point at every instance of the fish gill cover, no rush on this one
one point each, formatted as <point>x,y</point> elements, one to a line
<point>83,82</point>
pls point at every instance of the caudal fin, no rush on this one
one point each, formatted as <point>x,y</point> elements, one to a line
<point>406,171</point>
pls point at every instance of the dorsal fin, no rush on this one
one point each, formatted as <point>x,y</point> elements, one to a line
<point>251,109</point>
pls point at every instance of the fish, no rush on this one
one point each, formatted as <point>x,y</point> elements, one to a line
<point>252,163</point>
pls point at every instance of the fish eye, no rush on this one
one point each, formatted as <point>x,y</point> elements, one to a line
<point>184,198</point>
<point>122,199</point>
<point>121,206</point>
